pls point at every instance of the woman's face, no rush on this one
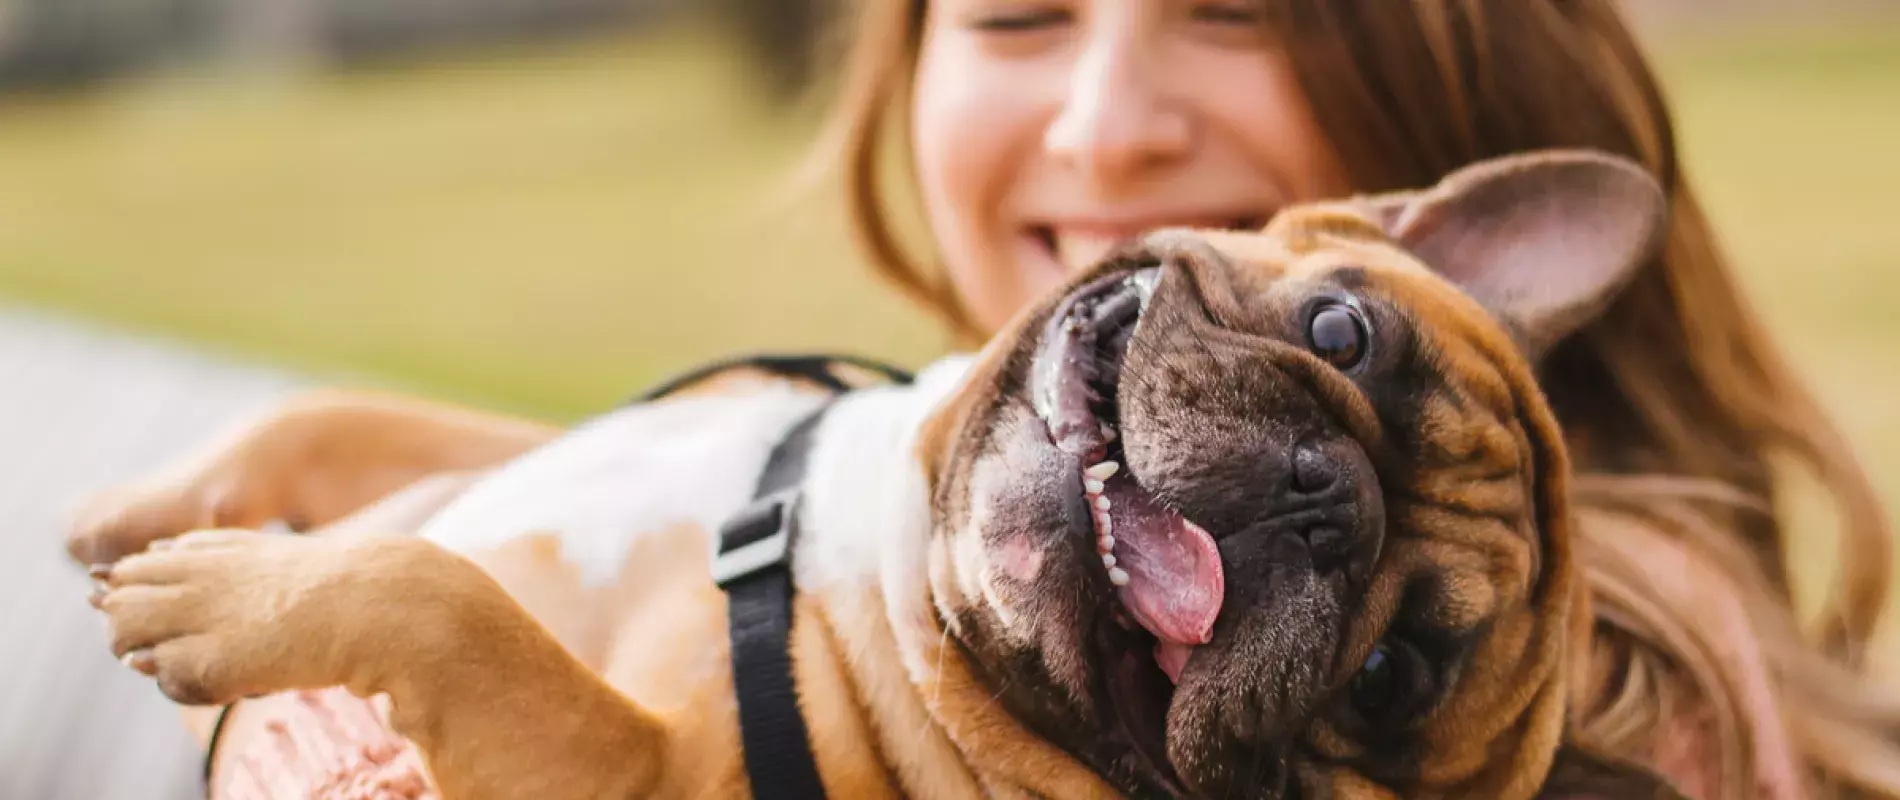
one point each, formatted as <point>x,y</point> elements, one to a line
<point>1046,130</point>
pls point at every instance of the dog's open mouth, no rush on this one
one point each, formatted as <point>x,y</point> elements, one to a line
<point>1166,570</point>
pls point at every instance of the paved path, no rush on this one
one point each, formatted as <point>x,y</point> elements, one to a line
<point>81,410</point>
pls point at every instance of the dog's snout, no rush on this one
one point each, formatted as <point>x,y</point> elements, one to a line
<point>1330,547</point>
<point>1313,470</point>
<point>1333,504</point>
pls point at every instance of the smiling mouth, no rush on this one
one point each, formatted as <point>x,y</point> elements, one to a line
<point>1164,569</point>
<point>1078,247</point>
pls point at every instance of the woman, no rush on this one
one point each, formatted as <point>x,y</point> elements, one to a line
<point>1040,132</point>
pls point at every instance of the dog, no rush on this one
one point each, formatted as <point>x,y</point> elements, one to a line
<point>1233,514</point>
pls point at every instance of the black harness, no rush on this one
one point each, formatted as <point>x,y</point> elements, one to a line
<point>754,568</point>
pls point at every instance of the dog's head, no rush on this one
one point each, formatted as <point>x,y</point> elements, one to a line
<point>1283,514</point>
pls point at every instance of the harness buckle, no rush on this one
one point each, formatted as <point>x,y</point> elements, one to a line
<point>757,539</point>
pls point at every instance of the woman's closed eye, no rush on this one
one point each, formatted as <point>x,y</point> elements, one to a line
<point>1229,13</point>
<point>1028,17</point>
<point>1019,18</point>
<point>1228,24</point>
<point>1015,25</point>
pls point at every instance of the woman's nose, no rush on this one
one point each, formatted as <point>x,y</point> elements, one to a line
<point>1116,127</point>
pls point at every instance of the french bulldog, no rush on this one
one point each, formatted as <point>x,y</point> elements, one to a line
<point>1278,513</point>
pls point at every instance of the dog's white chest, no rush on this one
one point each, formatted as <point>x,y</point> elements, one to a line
<point>636,470</point>
<point>650,468</point>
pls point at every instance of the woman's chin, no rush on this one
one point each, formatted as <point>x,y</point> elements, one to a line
<point>1037,262</point>
<point>1037,272</point>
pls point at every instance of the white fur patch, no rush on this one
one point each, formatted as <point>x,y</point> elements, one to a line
<point>866,513</point>
<point>647,468</point>
<point>637,470</point>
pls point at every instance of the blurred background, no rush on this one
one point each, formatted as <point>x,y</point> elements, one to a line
<point>540,206</point>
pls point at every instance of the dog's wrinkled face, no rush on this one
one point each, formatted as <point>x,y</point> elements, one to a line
<point>1280,514</point>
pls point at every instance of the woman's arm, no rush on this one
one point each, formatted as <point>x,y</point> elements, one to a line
<point>314,459</point>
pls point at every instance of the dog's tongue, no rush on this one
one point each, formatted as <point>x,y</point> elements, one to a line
<point>1173,658</point>
<point>1175,580</point>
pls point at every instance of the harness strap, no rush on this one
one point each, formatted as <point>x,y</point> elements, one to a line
<point>754,569</point>
<point>814,368</point>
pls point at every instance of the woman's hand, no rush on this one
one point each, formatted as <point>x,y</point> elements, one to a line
<point>314,459</point>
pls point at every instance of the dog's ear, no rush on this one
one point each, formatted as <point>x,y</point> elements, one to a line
<point>1579,773</point>
<point>1544,239</point>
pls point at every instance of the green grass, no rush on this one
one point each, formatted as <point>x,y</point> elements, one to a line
<point>545,231</point>
<point>541,232</point>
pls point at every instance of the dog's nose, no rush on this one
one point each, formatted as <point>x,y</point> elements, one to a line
<point>1342,522</point>
<point>1313,470</point>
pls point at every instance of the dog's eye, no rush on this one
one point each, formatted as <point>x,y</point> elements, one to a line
<point>1338,333</point>
<point>1393,686</point>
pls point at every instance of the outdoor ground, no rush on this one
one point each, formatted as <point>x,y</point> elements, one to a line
<point>547,231</point>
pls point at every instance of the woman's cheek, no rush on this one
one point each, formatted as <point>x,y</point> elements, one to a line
<point>974,124</point>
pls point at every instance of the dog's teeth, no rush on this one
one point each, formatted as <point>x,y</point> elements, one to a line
<point>1103,471</point>
<point>1108,433</point>
<point>1102,503</point>
<point>1093,486</point>
<point>1108,560</point>
<point>1117,576</point>
<point>1105,544</point>
<point>1105,523</point>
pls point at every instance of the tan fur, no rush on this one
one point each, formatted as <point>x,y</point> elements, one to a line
<point>1505,428</point>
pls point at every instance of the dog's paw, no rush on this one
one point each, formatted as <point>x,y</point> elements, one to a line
<point>218,615</point>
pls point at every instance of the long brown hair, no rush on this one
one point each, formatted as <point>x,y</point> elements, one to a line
<point>1675,402</point>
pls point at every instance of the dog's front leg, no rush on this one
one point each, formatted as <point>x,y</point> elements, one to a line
<point>498,708</point>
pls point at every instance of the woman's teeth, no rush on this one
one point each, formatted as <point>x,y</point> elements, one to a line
<point>1094,481</point>
<point>1079,251</point>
